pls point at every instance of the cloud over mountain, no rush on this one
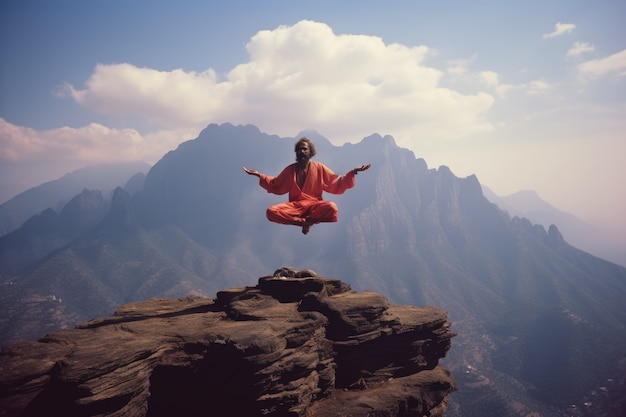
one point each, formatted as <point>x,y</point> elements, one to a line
<point>507,121</point>
<point>94,143</point>
<point>298,75</point>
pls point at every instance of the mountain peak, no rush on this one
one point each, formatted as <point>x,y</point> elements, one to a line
<point>386,140</point>
<point>55,194</point>
<point>418,236</point>
<point>83,211</point>
<point>225,128</point>
<point>554,235</point>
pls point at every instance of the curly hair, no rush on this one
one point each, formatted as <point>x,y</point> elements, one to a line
<point>309,142</point>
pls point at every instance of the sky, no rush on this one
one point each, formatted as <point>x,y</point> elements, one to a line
<point>524,95</point>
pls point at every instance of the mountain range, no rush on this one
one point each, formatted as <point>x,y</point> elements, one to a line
<point>55,194</point>
<point>583,235</point>
<point>540,323</point>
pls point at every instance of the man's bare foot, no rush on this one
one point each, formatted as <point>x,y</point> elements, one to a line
<point>306,228</point>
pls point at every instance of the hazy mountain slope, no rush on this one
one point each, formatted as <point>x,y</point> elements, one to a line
<point>55,194</point>
<point>112,264</point>
<point>528,204</point>
<point>48,231</point>
<point>540,322</point>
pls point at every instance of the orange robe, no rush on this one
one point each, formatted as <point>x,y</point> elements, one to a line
<point>306,205</point>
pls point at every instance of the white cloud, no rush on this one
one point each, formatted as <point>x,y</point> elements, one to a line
<point>580,48</point>
<point>298,77</point>
<point>613,64</point>
<point>491,80</point>
<point>90,144</point>
<point>538,87</point>
<point>166,98</point>
<point>560,29</point>
<point>17,141</point>
<point>460,66</point>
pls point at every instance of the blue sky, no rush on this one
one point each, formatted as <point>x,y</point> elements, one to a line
<point>526,95</point>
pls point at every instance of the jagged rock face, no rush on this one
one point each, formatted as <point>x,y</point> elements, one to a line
<point>297,345</point>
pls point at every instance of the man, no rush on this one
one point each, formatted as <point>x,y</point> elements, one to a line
<point>305,181</point>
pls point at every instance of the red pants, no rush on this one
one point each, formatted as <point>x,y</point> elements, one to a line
<point>303,212</point>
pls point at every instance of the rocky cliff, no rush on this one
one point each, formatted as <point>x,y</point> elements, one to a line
<point>296,344</point>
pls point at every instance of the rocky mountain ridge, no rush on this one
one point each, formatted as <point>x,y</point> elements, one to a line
<point>57,193</point>
<point>541,323</point>
<point>294,345</point>
<point>528,204</point>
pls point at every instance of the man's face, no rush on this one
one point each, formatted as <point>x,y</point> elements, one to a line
<point>303,152</point>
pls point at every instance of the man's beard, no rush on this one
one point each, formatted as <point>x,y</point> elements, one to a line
<point>301,158</point>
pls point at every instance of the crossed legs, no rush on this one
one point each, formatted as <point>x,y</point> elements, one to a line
<point>304,214</point>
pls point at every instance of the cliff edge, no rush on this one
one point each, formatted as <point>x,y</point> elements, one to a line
<point>296,344</point>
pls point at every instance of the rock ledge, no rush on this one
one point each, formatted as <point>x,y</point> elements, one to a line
<point>294,345</point>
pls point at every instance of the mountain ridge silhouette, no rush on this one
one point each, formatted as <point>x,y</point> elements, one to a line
<point>419,236</point>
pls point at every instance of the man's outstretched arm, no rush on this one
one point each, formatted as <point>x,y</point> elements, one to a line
<point>252,172</point>
<point>338,184</point>
<point>361,168</point>
<point>275,185</point>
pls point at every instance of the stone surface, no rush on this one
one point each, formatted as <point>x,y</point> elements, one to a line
<point>294,345</point>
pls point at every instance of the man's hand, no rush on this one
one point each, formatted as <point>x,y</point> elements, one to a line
<point>361,168</point>
<point>252,172</point>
